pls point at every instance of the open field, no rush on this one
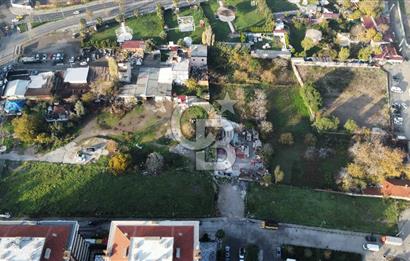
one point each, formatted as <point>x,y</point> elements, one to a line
<point>281,5</point>
<point>171,20</point>
<point>356,93</point>
<point>322,209</point>
<point>246,15</point>
<point>288,113</point>
<point>220,29</point>
<point>44,189</point>
<point>144,27</point>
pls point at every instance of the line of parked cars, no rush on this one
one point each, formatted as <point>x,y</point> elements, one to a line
<point>241,255</point>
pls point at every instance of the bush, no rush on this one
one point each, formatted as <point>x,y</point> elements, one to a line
<point>119,163</point>
<point>351,126</point>
<point>326,123</point>
<point>310,139</point>
<point>286,138</point>
<point>311,96</point>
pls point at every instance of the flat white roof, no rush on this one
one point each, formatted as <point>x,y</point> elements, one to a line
<point>77,75</point>
<point>16,88</point>
<point>21,248</point>
<point>151,249</point>
<point>39,80</point>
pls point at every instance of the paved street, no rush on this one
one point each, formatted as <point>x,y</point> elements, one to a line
<point>402,72</point>
<point>242,232</point>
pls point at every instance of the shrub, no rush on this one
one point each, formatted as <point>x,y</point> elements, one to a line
<point>351,126</point>
<point>279,174</point>
<point>312,97</point>
<point>326,123</point>
<point>286,138</point>
<point>119,163</point>
<point>310,139</point>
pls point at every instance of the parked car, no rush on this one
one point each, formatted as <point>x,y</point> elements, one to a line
<point>278,252</point>
<point>371,238</point>
<point>270,224</point>
<point>242,253</point>
<point>371,247</point>
<point>44,57</point>
<point>396,89</point>
<point>227,253</point>
<point>76,12</point>
<point>72,59</point>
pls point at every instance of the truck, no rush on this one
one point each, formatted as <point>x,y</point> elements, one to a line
<point>270,224</point>
<point>27,59</point>
<point>394,241</point>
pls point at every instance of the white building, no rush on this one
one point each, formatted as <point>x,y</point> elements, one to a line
<point>77,75</point>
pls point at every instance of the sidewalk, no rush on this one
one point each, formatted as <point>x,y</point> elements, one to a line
<point>23,11</point>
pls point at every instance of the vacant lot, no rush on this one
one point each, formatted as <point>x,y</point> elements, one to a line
<point>322,209</point>
<point>144,27</point>
<point>356,93</point>
<point>44,189</point>
<point>171,20</point>
<point>288,114</point>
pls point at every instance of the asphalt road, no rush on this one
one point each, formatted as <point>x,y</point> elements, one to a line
<point>9,43</point>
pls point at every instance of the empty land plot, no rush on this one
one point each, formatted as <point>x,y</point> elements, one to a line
<point>356,93</point>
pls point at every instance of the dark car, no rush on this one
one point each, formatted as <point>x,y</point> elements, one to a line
<point>371,238</point>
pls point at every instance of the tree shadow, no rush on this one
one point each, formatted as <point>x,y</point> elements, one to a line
<point>335,82</point>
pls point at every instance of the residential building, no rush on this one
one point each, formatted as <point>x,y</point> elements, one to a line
<point>42,241</point>
<point>199,55</point>
<point>75,82</point>
<point>134,46</point>
<point>153,240</point>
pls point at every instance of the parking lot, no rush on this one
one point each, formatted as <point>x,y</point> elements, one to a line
<point>400,98</point>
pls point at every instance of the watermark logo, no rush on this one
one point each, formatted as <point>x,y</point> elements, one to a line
<point>212,135</point>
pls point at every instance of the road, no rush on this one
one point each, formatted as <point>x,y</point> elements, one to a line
<point>241,232</point>
<point>8,44</point>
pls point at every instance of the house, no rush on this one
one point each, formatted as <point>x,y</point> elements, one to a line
<point>134,46</point>
<point>75,82</point>
<point>42,86</point>
<point>153,240</point>
<point>57,113</point>
<point>389,54</point>
<point>199,55</point>
<point>15,89</point>
<point>124,72</point>
<point>42,241</point>
<point>396,188</point>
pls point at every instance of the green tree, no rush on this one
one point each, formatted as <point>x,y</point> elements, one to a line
<point>266,180</point>
<point>120,18</point>
<point>326,123</point>
<point>28,126</point>
<point>344,54</point>
<point>136,13</point>
<point>208,37</point>
<point>79,108</point>
<point>365,53</point>
<point>307,44</point>
<point>113,68</point>
<point>163,35</point>
<point>311,96</point>
<point>119,163</point>
<point>83,24</point>
<point>351,126</point>
<point>150,45</point>
<point>99,21</point>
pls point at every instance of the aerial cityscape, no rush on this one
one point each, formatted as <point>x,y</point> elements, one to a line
<point>204,130</point>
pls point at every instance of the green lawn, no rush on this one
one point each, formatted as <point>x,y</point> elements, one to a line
<point>144,27</point>
<point>321,209</point>
<point>171,20</point>
<point>45,189</point>
<point>246,15</point>
<point>220,29</point>
<point>288,113</point>
<point>281,5</point>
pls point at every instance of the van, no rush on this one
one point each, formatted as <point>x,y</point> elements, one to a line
<point>394,241</point>
<point>371,247</point>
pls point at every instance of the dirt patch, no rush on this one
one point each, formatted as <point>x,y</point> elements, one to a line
<point>356,93</point>
<point>56,42</point>
<point>230,201</point>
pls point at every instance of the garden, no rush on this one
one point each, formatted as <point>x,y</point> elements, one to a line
<point>323,209</point>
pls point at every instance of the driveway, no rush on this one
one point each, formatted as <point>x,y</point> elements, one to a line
<point>241,232</point>
<point>231,200</point>
<point>402,72</point>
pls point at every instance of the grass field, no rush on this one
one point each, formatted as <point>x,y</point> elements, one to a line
<point>45,189</point>
<point>144,27</point>
<point>220,29</point>
<point>321,209</point>
<point>281,5</point>
<point>246,15</point>
<point>174,34</point>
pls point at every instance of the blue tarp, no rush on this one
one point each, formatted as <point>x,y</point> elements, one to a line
<point>14,106</point>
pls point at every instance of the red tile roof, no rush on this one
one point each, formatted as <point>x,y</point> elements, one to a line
<point>391,187</point>
<point>389,52</point>
<point>57,237</point>
<point>183,239</point>
<point>138,44</point>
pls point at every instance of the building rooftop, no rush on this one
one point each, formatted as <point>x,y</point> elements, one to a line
<point>153,240</point>
<point>21,248</point>
<point>42,241</point>
<point>199,50</point>
<point>133,44</point>
<point>16,89</point>
<point>76,75</point>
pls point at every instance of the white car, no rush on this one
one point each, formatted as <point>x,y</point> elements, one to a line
<point>396,89</point>
<point>76,12</point>
<point>403,106</point>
